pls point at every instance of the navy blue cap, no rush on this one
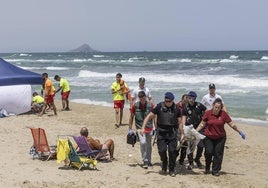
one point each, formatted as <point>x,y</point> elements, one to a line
<point>192,94</point>
<point>169,95</point>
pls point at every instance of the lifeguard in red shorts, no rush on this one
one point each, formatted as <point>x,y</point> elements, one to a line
<point>64,87</point>
<point>49,94</point>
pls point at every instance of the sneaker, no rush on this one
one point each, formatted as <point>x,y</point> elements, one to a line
<point>199,164</point>
<point>172,173</point>
<point>163,172</point>
<point>150,164</point>
<point>191,166</point>
<point>215,174</point>
<point>145,165</point>
<point>207,172</point>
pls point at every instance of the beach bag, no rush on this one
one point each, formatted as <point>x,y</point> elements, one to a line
<point>33,153</point>
<point>131,139</point>
<point>3,113</point>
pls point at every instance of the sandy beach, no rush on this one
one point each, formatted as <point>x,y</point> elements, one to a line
<point>244,164</point>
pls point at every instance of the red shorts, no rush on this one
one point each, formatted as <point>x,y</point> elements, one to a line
<point>49,99</point>
<point>65,95</point>
<point>119,104</point>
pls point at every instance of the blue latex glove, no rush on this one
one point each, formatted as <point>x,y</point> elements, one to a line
<point>130,131</point>
<point>242,134</point>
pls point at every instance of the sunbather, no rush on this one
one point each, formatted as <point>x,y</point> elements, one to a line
<point>96,145</point>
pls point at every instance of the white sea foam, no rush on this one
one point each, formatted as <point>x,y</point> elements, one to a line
<point>264,58</point>
<point>81,60</point>
<point>266,112</point>
<point>30,68</point>
<point>251,121</point>
<point>89,74</point>
<point>57,68</point>
<point>98,56</point>
<point>88,101</point>
<point>25,55</point>
<point>180,60</point>
<point>233,57</point>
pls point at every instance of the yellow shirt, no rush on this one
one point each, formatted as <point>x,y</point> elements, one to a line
<point>118,95</point>
<point>38,99</point>
<point>64,84</point>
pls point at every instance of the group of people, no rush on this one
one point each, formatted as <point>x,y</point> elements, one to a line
<point>46,99</point>
<point>167,119</point>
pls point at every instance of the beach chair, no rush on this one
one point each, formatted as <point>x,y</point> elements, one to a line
<point>66,150</point>
<point>85,149</point>
<point>43,150</point>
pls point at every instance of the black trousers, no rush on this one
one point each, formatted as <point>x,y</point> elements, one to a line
<point>167,141</point>
<point>214,150</point>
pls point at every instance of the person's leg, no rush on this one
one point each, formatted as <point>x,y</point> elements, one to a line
<point>198,156</point>
<point>172,144</point>
<point>121,116</point>
<point>183,153</point>
<point>149,147</point>
<point>110,144</point>
<point>67,104</point>
<point>43,108</point>
<point>209,151</point>
<point>116,116</point>
<point>142,139</point>
<point>63,101</point>
<point>218,155</point>
<point>191,161</point>
<point>162,151</point>
<point>54,108</point>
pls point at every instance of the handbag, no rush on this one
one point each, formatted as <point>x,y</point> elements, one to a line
<point>131,139</point>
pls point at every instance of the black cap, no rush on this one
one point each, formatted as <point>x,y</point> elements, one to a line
<point>141,80</point>
<point>211,86</point>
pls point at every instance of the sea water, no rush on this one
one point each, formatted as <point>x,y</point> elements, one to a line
<point>241,77</point>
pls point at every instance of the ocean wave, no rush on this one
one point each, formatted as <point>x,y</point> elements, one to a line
<point>57,68</point>
<point>249,121</point>
<point>88,101</point>
<point>98,56</point>
<point>264,58</point>
<point>25,55</point>
<point>233,57</point>
<point>90,74</point>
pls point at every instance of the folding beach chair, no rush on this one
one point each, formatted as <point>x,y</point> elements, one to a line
<point>66,150</point>
<point>85,149</point>
<point>43,150</point>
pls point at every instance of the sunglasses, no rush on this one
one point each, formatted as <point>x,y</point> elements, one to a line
<point>167,101</point>
<point>141,96</point>
<point>191,99</point>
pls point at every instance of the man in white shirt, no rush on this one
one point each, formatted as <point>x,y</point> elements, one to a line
<point>209,98</point>
<point>135,92</point>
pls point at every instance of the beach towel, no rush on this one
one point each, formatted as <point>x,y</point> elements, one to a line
<point>63,150</point>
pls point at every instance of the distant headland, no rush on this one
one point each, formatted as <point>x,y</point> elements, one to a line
<point>85,48</point>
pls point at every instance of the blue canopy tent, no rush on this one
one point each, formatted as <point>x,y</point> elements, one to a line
<point>13,75</point>
<point>15,87</point>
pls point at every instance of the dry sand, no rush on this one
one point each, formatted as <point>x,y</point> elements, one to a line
<point>244,164</point>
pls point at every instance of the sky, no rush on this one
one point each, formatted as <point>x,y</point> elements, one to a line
<point>133,25</point>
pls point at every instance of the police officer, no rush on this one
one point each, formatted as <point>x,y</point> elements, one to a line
<point>169,119</point>
<point>194,111</point>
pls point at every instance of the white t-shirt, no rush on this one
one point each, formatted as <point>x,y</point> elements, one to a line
<point>208,100</point>
<point>135,92</point>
